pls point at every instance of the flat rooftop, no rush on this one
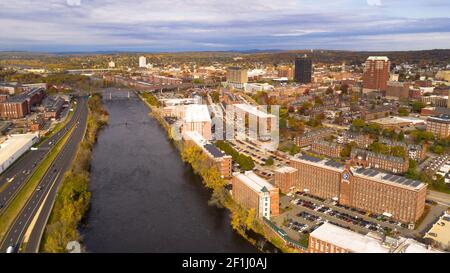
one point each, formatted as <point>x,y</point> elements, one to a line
<point>440,231</point>
<point>254,182</point>
<point>13,144</point>
<point>197,113</point>
<point>349,240</point>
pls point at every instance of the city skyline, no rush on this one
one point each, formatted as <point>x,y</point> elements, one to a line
<point>155,26</point>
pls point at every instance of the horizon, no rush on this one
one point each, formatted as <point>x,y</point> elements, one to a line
<point>156,26</point>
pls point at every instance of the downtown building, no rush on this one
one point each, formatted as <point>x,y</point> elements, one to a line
<point>303,70</point>
<point>366,189</point>
<point>253,192</point>
<point>376,74</point>
<point>18,106</point>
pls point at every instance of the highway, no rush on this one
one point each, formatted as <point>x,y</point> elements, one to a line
<point>12,180</point>
<point>41,201</point>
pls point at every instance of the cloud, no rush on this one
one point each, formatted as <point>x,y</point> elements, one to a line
<point>73,2</point>
<point>172,25</point>
<point>374,3</point>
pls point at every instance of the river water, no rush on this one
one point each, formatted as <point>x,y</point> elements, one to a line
<point>144,198</point>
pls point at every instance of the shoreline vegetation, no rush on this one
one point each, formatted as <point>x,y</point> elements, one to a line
<point>73,198</point>
<point>242,221</point>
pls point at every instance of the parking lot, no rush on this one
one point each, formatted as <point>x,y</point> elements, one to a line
<point>304,213</point>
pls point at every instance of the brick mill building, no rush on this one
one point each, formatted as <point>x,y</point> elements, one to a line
<point>366,189</point>
<point>253,192</point>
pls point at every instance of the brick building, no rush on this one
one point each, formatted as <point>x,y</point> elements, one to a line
<point>253,192</point>
<point>308,138</point>
<point>327,148</point>
<point>397,90</point>
<point>18,106</point>
<point>222,161</point>
<point>376,73</point>
<point>439,125</point>
<point>366,189</point>
<point>368,159</point>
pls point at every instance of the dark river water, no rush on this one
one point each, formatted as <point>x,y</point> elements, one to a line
<point>144,198</point>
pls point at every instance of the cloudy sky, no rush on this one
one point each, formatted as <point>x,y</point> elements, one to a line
<point>181,25</point>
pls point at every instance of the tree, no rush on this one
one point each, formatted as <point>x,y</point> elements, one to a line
<point>269,161</point>
<point>403,112</point>
<point>358,124</point>
<point>417,106</point>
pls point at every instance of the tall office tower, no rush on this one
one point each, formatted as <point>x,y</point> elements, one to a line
<point>142,61</point>
<point>376,73</point>
<point>303,69</point>
<point>237,77</point>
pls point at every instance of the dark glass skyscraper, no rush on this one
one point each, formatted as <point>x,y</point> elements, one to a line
<point>303,69</point>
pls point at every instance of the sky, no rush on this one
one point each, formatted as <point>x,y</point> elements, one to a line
<point>222,25</point>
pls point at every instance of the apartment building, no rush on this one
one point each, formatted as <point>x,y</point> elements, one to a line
<point>439,125</point>
<point>253,192</point>
<point>327,148</point>
<point>368,159</point>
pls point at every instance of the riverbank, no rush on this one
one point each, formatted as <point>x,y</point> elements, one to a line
<point>244,222</point>
<point>73,197</point>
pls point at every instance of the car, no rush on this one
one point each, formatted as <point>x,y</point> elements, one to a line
<point>38,188</point>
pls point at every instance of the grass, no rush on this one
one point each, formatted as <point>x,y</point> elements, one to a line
<point>30,185</point>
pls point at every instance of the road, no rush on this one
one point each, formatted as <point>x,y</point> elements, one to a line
<point>25,166</point>
<point>41,201</point>
<point>439,197</point>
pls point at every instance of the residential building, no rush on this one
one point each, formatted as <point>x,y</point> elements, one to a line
<point>397,90</point>
<point>439,125</point>
<point>368,159</point>
<point>376,73</point>
<point>197,118</point>
<point>308,138</point>
<point>237,77</point>
<point>253,192</point>
<point>327,148</point>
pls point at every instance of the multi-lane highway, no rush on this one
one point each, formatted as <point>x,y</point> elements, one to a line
<point>39,205</point>
<point>12,180</point>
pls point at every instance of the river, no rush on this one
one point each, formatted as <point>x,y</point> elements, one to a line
<point>144,198</point>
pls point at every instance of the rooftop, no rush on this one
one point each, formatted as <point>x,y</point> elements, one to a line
<point>349,240</point>
<point>378,58</point>
<point>361,172</point>
<point>197,113</point>
<point>254,182</point>
<point>13,144</point>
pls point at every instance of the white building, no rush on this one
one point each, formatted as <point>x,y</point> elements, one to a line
<point>111,64</point>
<point>142,62</point>
<point>256,87</point>
<point>14,147</point>
<point>330,238</point>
